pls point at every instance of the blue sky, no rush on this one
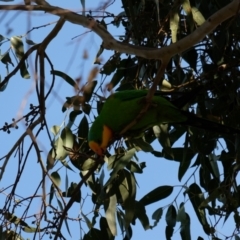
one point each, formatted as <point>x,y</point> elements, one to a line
<point>66,55</point>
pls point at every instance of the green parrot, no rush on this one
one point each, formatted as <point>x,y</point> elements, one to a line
<point>122,108</point>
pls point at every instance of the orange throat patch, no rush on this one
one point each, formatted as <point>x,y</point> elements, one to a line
<point>107,136</point>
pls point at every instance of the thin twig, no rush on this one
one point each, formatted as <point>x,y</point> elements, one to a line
<point>72,199</point>
<point>33,125</point>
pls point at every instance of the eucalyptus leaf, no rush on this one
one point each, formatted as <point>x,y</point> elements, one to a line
<point>56,178</point>
<point>157,194</point>
<point>157,215</point>
<point>111,214</point>
<point>17,45</point>
<point>171,216</point>
<point>65,77</point>
<point>121,162</point>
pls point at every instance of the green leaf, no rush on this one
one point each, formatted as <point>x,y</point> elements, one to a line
<point>67,137</point>
<point>121,162</point>
<point>176,133</point>
<point>83,130</point>
<point>185,163</point>
<point>66,181</point>
<point>135,167</point>
<point>140,213</point>
<point>110,214</point>
<point>17,45</point>
<point>110,66</point>
<point>127,185</point>
<point>118,18</point>
<point>171,216</point>
<point>100,51</point>
<point>105,229</point>
<point>51,195</point>
<point>129,211</point>
<point>86,108</point>
<point>185,229</point>
<point>51,159</point>
<point>181,215</point>
<point>127,190</point>
<point>1,38</point>
<point>58,152</point>
<point>88,90</point>
<point>120,218</point>
<point>70,191</point>
<point>142,144</point>
<point>117,77</point>
<point>30,42</point>
<point>197,16</point>
<point>180,153</point>
<point>94,234</point>
<point>174,21</point>
<point>65,77</point>
<point>55,130</point>
<point>237,237</point>
<point>73,115</point>
<point>213,162</point>
<point>162,134</point>
<point>56,178</point>
<point>14,219</point>
<point>214,195</point>
<point>87,164</point>
<point>88,222</point>
<point>188,10</point>
<point>166,85</point>
<point>157,194</point>
<point>83,7</point>
<point>30,230</point>
<point>196,197</point>
<point>10,235</point>
<point>124,70</point>
<point>4,86</point>
<point>169,232</point>
<point>5,58</point>
<point>157,215</point>
<point>65,163</point>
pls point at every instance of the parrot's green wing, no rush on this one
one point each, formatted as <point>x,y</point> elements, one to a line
<point>121,108</point>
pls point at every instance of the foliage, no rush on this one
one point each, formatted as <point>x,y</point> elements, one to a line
<point>212,188</point>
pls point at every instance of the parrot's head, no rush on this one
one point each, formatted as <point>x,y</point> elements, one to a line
<point>99,137</point>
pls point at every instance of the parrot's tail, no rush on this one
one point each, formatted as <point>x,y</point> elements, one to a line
<point>202,123</point>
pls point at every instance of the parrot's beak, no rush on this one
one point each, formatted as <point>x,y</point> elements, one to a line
<point>100,148</point>
<point>97,148</point>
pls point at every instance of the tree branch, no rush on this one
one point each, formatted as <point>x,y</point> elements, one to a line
<point>149,53</point>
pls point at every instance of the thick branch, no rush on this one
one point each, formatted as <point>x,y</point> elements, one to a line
<point>150,53</point>
<point>41,51</point>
